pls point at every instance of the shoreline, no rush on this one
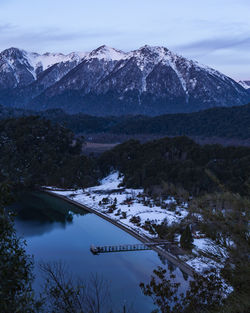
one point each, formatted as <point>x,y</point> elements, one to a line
<point>187,269</point>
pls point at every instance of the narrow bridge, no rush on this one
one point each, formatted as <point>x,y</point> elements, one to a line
<point>128,247</point>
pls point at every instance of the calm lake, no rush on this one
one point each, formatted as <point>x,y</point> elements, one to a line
<point>58,231</point>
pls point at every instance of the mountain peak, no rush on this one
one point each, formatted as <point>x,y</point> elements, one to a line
<point>107,53</point>
<point>152,54</point>
<point>153,48</point>
<point>12,53</point>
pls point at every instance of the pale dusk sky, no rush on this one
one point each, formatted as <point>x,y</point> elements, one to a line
<point>213,32</point>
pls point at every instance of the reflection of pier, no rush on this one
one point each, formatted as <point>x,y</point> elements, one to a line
<point>128,247</point>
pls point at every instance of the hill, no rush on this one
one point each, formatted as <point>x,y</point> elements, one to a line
<point>231,122</point>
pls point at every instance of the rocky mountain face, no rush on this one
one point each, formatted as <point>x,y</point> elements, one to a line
<point>106,81</point>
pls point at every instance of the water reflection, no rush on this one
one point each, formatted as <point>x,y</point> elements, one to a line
<point>58,231</point>
<point>38,214</point>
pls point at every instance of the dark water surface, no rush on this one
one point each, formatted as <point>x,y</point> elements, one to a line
<point>58,231</point>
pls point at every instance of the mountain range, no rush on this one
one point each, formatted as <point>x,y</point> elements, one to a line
<point>107,81</point>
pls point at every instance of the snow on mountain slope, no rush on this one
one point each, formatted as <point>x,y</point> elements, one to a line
<point>47,60</point>
<point>106,53</point>
<point>17,66</point>
<point>150,80</point>
<point>15,69</point>
<point>147,57</point>
<point>245,84</point>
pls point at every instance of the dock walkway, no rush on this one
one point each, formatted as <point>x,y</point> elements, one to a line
<point>127,247</point>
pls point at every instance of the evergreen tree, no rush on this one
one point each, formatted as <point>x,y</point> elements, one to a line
<point>186,238</point>
<point>204,294</point>
<point>16,294</point>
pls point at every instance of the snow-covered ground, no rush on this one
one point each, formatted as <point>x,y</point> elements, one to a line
<point>126,203</point>
<point>121,204</point>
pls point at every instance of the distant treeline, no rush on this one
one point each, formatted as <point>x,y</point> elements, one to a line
<point>35,151</point>
<point>171,165</point>
<point>233,122</point>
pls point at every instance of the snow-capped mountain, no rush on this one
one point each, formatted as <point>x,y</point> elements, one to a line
<point>106,81</point>
<point>15,69</point>
<point>20,68</point>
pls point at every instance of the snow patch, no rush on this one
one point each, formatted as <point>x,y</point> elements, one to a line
<point>245,83</point>
<point>107,53</point>
<point>47,60</point>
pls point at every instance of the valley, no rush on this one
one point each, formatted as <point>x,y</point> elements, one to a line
<point>124,156</point>
<point>156,146</point>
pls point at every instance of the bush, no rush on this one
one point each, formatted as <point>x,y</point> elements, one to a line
<point>124,214</point>
<point>135,220</point>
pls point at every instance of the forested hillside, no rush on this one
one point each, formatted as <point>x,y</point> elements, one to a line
<point>36,151</point>
<point>217,122</point>
<point>33,151</point>
<point>181,163</point>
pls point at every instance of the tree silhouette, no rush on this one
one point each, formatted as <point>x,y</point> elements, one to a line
<point>186,238</point>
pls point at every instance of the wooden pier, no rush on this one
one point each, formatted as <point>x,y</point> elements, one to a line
<point>127,247</point>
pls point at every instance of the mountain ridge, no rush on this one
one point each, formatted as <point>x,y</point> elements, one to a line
<point>245,84</point>
<point>106,81</point>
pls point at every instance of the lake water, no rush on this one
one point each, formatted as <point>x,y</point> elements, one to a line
<point>58,231</point>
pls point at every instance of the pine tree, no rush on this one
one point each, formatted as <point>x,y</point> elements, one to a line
<point>186,238</point>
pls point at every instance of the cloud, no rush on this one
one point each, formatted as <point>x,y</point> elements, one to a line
<point>229,55</point>
<point>11,35</point>
<point>57,35</point>
<point>218,43</point>
<point>7,27</point>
